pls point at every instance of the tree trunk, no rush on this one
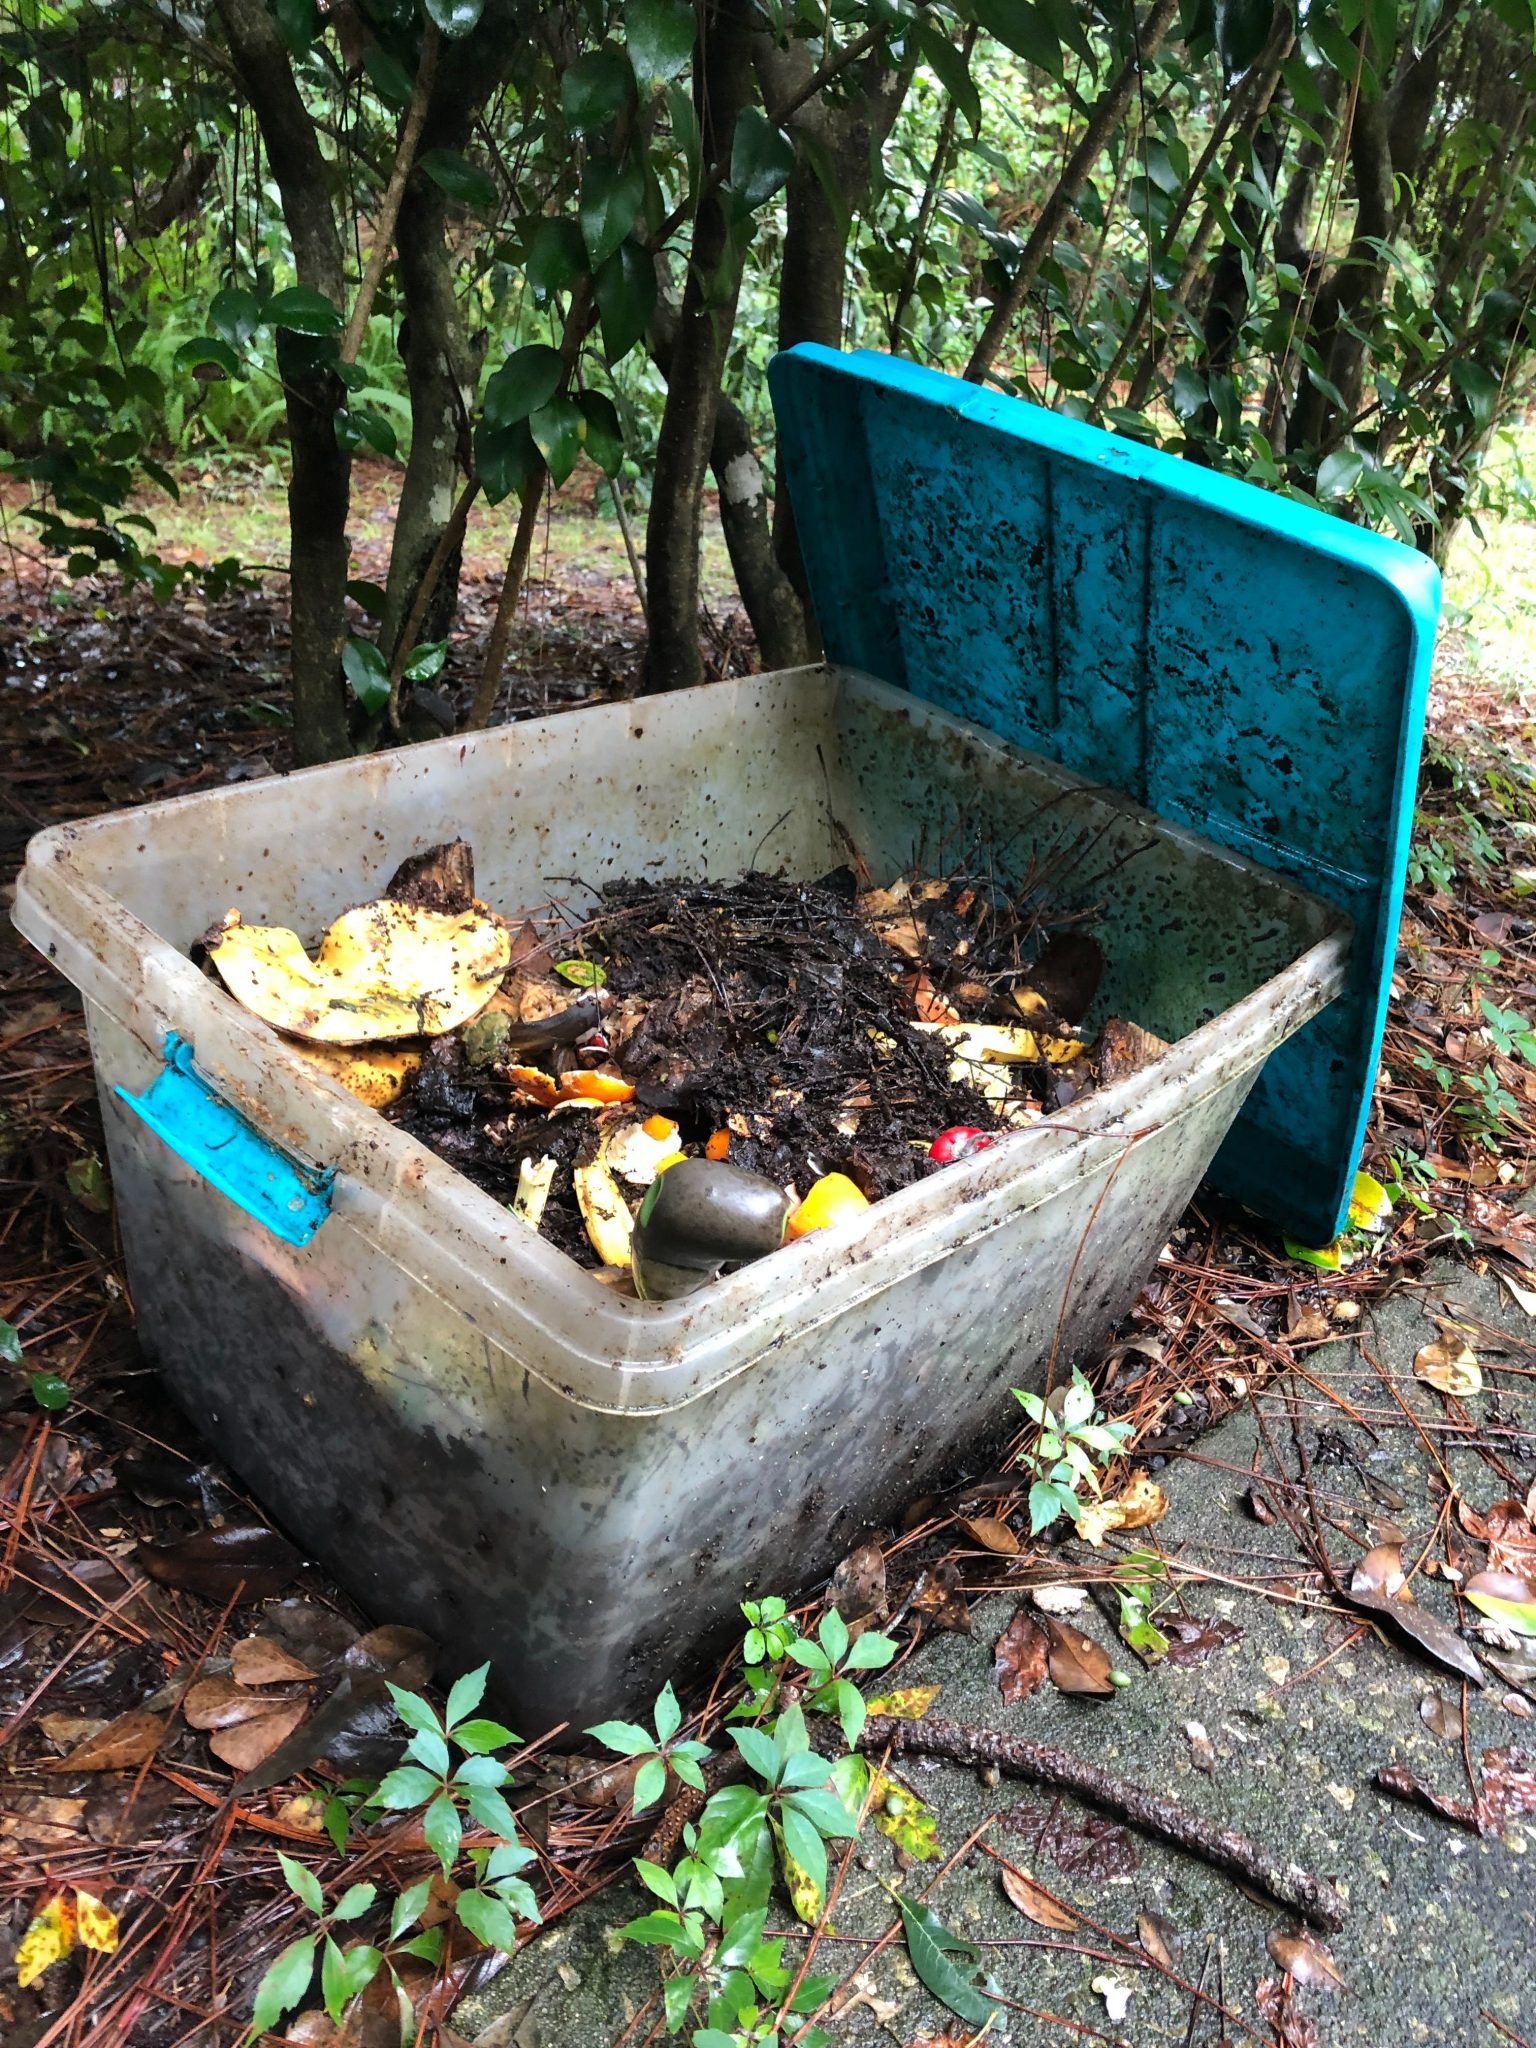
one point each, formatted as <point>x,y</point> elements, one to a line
<point>708,315</point>
<point>813,279</point>
<point>440,375</point>
<point>320,479</point>
<point>1346,300</point>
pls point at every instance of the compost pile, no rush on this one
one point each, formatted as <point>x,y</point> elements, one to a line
<point>808,1047</point>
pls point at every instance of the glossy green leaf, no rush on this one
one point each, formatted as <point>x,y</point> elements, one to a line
<point>235,314</point>
<point>284,1984</point>
<point>947,64</point>
<point>302,1882</point>
<point>1022,27</point>
<point>624,1738</point>
<point>354,1902</point>
<point>460,179</point>
<point>476,1736</point>
<point>593,89</point>
<point>803,1842</point>
<point>388,76</point>
<point>455,17</point>
<point>301,311</point>
<point>762,159</point>
<point>659,35</point>
<point>527,380</point>
<point>556,259</point>
<point>49,1391</point>
<point>413,1710</point>
<point>945,1962</point>
<point>466,1692</point>
<point>626,298</point>
<point>368,673</point>
<point>1241,28</point>
<point>207,351</point>
<point>443,1830</point>
<point>10,1343</point>
<point>488,1919</point>
<point>558,431</point>
<point>611,196</point>
<point>490,1809</point>
<point>650,1783</point>
<point>604,443</point>
<point>1338,473</point>
<point>299,23</point>
<point>344,1974</point>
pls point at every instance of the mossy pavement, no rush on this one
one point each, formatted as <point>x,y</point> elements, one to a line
<point>1442,1926</point>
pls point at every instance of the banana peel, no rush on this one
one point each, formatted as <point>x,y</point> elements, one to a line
<point>604,1211</point>
<point>375,1075</point>
<point>383,971</point>
<point>978,1045</point>
<point>535,1178</point>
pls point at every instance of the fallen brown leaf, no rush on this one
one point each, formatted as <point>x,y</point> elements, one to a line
<point>258,1660</point>
<point>216,1562</point>
<point>1078,1665</point>
<point>1191,1641</point>
<point>1440,1717</point>
<point>1506,1529</point>
<point>225,1703</point>
<point>939,1599</point>
<point>1450,1366</point>
<point>991,1534</point>
<point>1381,1571</point>
<point>1158,1936</point>
<point>122,1745</point>
<point>65,1731</point>
<point>1305,1959</point>
<point>1020,1657</point>
<point>1305,1324</point>
<point>39,1818</point>
<point>1036,1904</point>
<point>249,1743</point>
<point>858,1585</point>
<point>123,1811</point>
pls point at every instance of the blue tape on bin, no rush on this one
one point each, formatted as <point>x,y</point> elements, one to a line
<point>1241,664</point>
<point>183,1110</point>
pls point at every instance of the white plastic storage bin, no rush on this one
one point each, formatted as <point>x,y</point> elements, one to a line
<point>471,1432</point>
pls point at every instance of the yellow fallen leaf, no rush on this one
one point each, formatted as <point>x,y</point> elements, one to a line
<point>1143,1501</point>
<point>1370,1206</point>
<point>95,1923</point>
<point>907,1703</point>
<point>903,1816</point>
<point>49,1937</point>
<point>1450,1366</point>
<point>384,971</point>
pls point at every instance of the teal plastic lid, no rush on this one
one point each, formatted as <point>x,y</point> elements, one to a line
<point>1239,663</point>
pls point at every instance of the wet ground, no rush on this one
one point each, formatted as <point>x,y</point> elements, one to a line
<point>1300,1713</point>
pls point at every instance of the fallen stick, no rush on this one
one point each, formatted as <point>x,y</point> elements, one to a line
<point>1313,1897</point>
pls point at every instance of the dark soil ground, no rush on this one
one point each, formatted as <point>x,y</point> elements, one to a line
<point>106,701</point>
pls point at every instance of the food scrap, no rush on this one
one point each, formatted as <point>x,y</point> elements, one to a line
<point>695,1073</point>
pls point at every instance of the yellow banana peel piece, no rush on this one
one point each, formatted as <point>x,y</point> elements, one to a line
<point>376,1076</point>
<point>977,1045</point>
<point>604,1211</point>
<point>384,971</point>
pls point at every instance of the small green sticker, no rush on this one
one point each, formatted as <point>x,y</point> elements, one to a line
<point>583,973</point>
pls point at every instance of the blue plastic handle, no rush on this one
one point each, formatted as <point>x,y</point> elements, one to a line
<point>183,1110</point>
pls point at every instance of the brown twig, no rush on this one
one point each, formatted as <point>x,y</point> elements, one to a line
<point>1311,1896</point>
<point>394,192</point>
